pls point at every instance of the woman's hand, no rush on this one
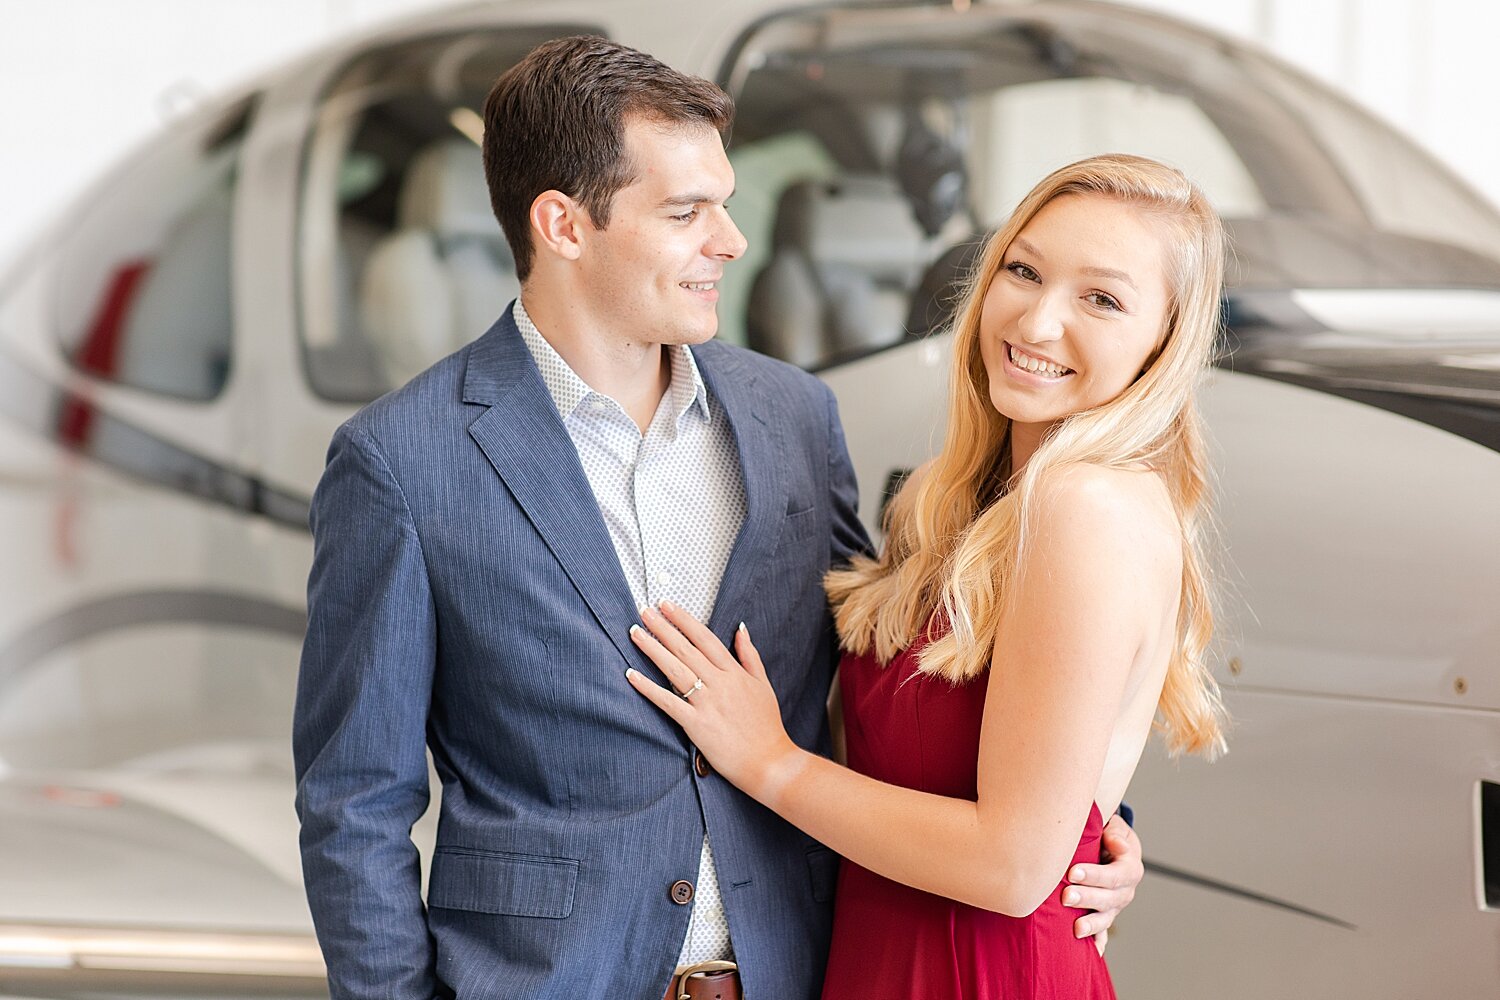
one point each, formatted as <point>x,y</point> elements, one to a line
<point>725,705</point>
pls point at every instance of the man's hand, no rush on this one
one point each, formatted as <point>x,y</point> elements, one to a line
<point>1108,887</point>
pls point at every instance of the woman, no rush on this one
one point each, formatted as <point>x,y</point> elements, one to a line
<point>1042,597</point>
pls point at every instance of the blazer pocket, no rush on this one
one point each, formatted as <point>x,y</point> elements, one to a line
<point>823,869</point>
<point>517,885</point>
<point>799,524</point>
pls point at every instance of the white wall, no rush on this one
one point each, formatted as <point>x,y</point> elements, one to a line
<point>1430,67</point>
<point>82,80</point>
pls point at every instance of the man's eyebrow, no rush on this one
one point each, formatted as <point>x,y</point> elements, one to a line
<point>696,198</point>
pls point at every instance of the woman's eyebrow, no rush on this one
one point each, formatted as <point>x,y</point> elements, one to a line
<point>1098,272</point>
<point>1109,272</point>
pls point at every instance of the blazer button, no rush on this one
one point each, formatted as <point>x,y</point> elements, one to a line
<point>681,892</point>
<point>700,764</point>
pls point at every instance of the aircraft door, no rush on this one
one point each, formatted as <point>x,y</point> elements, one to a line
<point>395,257</point>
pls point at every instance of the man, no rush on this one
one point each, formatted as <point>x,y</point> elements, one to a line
<point>484,538</point>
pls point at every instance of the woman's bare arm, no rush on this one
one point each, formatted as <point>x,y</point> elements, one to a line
<point>1092,591</point>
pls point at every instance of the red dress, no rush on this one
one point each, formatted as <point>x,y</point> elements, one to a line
<point>893,942</point>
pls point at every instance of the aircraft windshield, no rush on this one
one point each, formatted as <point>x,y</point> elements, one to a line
<point>874,147</point>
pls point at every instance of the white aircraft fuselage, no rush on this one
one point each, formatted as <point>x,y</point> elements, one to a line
<point>177,349</point>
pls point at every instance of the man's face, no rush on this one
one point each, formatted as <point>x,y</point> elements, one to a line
<point>654,271</point>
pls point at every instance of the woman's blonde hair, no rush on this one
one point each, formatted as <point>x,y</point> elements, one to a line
<point>956,533</point>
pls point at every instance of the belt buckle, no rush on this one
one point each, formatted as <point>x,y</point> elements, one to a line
<point>679,987</point>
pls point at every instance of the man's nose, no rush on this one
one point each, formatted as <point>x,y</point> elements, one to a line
<point>728,243</point>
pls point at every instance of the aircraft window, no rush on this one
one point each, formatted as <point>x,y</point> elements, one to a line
<point>146,292</point>
<point>400,258</point>
<point>761,171</point>
<point>1033,128</point>
<point>925,127</point>
<point>1403,188</point>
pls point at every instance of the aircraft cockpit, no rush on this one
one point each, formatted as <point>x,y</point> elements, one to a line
<point>874,149</point>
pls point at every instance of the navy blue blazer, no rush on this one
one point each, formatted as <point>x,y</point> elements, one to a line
<point>465,597</point>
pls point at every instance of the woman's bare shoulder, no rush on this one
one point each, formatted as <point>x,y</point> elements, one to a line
<point>1108,508</point>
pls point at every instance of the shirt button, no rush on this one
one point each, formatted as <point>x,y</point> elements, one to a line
<point>700,764</point>
<point>681,892</point>
<point>599,406</point>
<point>664,579</point>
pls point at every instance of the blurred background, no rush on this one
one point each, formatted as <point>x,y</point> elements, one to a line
<point>286,218</point>
<point>81,81</point>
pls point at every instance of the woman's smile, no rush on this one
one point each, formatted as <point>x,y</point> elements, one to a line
<point>1032,369</point>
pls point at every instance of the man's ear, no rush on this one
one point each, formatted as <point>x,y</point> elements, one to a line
<point>557,224</point>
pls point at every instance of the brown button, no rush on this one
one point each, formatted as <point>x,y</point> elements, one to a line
<point>681,892</point>
<point>700,764</point>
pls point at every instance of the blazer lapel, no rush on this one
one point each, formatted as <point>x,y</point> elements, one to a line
<point>761,453</point>
<point>522,435</point>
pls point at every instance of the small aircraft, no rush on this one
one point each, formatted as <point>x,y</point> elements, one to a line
<point>176,351</point>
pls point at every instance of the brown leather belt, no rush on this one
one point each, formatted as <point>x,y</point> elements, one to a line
<point>706,981</point>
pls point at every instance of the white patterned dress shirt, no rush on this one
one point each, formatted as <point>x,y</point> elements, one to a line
<point>673,500</point>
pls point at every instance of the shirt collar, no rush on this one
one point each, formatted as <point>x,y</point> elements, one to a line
<point>687,389</point>
<point>568,390</point>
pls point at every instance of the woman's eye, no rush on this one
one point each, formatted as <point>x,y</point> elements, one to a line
<point>1103,301</point>
<point>1022,271</point>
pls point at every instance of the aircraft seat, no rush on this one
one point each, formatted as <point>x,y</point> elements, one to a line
<point>346,368</point>
<point>443,275</point>
<point>846,253</point>
<point>935,300</point>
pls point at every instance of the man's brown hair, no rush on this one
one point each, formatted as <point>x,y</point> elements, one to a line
<point>556,120</point>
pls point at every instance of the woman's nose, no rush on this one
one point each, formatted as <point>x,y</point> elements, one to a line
<point>1043,321</point>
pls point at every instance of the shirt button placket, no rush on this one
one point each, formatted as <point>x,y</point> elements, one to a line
<point>646,512</point>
